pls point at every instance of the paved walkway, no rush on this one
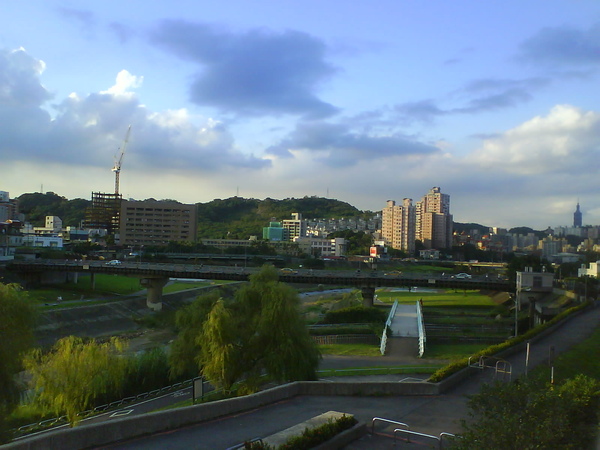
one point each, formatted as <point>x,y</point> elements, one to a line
<point>404,323</point>
<point>426,414</point>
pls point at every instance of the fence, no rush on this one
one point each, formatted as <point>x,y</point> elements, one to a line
<point>346,339</point>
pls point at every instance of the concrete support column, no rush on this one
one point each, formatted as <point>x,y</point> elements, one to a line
<point>154,288</point>
<point>368,295</point>
<point>93,280</point>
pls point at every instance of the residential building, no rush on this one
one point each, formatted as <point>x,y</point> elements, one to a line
<point>433,220</point>
<point>592,271</point>
<point>398,225</point>
<point>152,222</point>
<point>295,227</point>
<point>9,209</point>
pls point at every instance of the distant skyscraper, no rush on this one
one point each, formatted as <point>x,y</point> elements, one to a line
<point>577,217</point>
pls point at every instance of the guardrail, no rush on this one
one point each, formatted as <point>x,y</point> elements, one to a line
<point>388,322</point>
<point>24,430</point>
<point>421,327</point>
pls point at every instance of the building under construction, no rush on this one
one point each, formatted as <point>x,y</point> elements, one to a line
<point>104,212</point>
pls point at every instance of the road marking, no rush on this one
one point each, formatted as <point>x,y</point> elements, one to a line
<point>123,412</point>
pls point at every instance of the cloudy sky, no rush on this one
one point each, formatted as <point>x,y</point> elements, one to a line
<point>497,103</point>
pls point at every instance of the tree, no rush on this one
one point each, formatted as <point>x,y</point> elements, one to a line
<point>529,414</point>
<point>259,332</point>
<point>16,336</point>
<point>185,350</point>
<point>70,377</point>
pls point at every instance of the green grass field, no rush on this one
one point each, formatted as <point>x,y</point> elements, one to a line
<point>350,349</point>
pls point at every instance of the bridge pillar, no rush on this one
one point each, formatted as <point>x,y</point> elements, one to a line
<point>368,295</point>
<point>154,288</point>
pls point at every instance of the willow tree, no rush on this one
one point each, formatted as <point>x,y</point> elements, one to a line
<point>74,373</point>
<point>17,315</point>
<point>259,332</point>
<point>185,350</point>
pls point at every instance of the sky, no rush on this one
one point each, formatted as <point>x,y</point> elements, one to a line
<point>497,103</point>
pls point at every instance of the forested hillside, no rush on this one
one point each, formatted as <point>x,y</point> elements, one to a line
<point>235,217</point>
<point>37,206</point>
<point>239,218</point>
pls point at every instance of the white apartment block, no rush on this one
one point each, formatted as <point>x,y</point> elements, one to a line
<point>322,247</point>
<point>295,227</point>
<point>592,271</point>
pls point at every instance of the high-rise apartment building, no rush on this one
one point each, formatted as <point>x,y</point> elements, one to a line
<point>433,220</point>
<point>398,225</point>
<point>429,220</point>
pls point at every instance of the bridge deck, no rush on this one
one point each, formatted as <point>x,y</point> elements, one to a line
<point>404,323</point>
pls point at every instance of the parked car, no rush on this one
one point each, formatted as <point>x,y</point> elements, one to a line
<point>114,262</point>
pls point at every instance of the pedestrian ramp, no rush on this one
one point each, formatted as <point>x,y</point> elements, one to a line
<point>405,322</point>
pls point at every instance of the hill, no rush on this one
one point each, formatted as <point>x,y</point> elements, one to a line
<point>235,217</point>
<point>239,218</point>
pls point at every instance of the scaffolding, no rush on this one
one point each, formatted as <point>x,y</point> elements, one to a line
<point>104,213</point>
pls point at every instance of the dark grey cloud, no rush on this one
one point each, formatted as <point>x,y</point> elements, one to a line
<point>561,46</point>
<point>253,73</point>
<point>420,111</point>
<point>478,96</point>
<point>343,147</point>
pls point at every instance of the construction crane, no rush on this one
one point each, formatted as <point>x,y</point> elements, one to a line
<point>117,167</point>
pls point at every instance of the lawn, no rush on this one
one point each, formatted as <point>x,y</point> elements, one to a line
<point>350,349</point>
<point>578,360</point>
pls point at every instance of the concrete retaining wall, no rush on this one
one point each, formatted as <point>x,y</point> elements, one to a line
<point>84,436</point>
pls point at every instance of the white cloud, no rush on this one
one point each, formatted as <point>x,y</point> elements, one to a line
<point>124,83</point>
<point>567,140</point>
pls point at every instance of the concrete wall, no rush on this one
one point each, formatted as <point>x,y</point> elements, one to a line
<point>105,433</point>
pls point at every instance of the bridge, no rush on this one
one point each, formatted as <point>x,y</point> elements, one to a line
<point>153,276</point>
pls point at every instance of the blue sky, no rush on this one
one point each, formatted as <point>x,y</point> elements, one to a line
<point>494,102</point>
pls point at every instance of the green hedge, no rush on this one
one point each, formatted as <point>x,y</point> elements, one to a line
<point>356,314</point>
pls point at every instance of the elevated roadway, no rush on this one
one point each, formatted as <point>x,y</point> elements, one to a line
<point>155,275</point>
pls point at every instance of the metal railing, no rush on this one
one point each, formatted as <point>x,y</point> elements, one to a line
<point>62,420</point>
<point>408,432</point>
<point>388,322</point>
<point>421,327</point>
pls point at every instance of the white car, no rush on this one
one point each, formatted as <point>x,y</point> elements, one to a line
<point>114,262</point>
<point>462,275</point>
